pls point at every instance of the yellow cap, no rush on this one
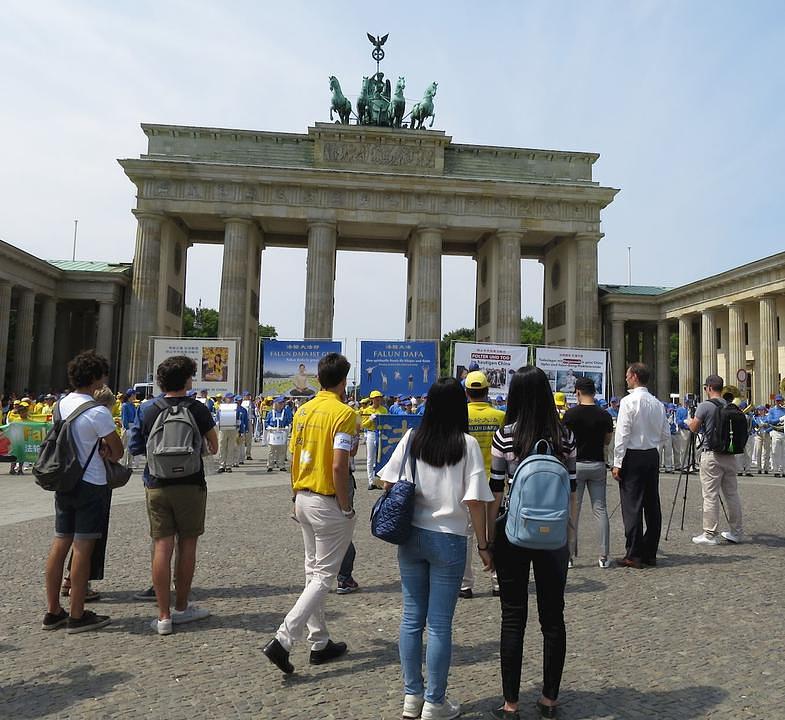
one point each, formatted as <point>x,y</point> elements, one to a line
<point>560,399</point>
<point>476,380</point>
<point>375,393</point>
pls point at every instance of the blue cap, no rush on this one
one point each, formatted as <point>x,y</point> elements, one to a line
<point>473,366</point>
<point>760,407</point>
<point>602,402</point>
<point>279,398</point>
<point>191,393</point>
<point>229,396</point>
<point>130,391</point>
<point>406,402</point>
<point>777,398</point>
<point>614,399</point>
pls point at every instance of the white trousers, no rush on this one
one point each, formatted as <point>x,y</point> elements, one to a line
<point>777,451</point>
<point>227,447</point>
<point>761,452</point>
<point>370,450</point>
<point>327,533</point>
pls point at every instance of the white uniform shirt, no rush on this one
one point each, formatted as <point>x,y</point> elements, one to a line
<point>641,424</point>
<point>441,492</point>
<point>88,428</point>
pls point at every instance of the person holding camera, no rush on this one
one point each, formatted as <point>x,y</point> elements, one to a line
<point>717,469</point>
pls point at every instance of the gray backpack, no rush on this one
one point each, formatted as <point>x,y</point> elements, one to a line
<point>175,443</point>
<point>57,467</point>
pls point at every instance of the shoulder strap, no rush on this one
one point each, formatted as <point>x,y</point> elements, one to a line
<point>161,404</point>
<point>407,455</point>
<point>84,407</point>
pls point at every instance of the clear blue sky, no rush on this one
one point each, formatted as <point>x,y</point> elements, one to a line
<point>683,100</point>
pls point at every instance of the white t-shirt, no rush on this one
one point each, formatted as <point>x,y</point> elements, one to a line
<point>440,493</point>
<point>88,428</point>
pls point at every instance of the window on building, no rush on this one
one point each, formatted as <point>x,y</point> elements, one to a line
<point>746,334</point>
<point>718,334</point>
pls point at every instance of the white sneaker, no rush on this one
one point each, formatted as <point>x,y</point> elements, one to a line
<point>704,539</point>
<point>162,627</point>
<point>446,711</point>
<point>604,562</point>
<point>412,706</point>
<point>190,614</point>
<point>732,537</point>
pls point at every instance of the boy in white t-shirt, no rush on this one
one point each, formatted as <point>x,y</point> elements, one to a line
<point>80,515</point>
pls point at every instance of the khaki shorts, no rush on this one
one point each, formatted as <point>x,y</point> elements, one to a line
<point>176,510</point>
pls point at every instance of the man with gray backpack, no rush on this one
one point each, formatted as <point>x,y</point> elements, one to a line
<point>176,429</point>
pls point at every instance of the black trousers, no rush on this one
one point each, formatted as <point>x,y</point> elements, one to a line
<point>640,500</point>
<point>550,577</point>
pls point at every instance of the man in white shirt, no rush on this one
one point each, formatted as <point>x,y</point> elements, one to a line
<point>641,428</point>
<point>80,515</point>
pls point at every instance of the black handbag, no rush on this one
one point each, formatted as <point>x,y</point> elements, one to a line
<point>117,475</point>
<point>391,516</point>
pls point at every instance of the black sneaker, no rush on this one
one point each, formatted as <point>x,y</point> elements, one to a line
<point>148,594</point>
<point>278,656</point>
<point>88,621</point>
<point>466,593</point>
<point>52,621</point>
<point>331,651</point>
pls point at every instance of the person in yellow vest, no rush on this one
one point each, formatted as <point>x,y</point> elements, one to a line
<point>20,414</point>
<point>368,424</point>
<point>484,421</point>
<point>561,403</point>
<point>13,413</point>
<point>117,407</point>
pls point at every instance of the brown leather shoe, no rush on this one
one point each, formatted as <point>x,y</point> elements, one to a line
<point>630,563</point>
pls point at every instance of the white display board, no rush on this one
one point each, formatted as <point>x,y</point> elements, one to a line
<point>564,365</point>
<point>215,358</point>
<point>498,362</point>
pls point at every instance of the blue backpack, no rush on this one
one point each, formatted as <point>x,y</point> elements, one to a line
<point>538,509</point>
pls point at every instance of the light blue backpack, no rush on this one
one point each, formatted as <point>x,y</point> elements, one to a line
<point>538,509</point>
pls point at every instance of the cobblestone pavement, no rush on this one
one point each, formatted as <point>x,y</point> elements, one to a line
<point>700,636</point>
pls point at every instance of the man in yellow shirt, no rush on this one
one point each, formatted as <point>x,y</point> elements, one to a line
<point>484,421</point>
<point>321,444</point>
<point>369,413</point>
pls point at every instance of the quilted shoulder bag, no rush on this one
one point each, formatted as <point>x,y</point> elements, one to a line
<point>391,516</point>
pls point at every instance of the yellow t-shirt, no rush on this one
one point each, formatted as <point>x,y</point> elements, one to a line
<point>484,421</point>
<point>314,431</point>
<point>13,416</point>
<point>366,412</point>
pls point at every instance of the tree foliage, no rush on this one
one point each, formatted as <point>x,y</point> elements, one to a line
<point>203,323</point>
<point>531,331</point>
<point>461,335</point>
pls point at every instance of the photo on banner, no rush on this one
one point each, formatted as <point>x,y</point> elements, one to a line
<point>290,367</point>
<point>564,365</point>
<point>398,367</point>
<point>215,358</point>
<point>498,362</point>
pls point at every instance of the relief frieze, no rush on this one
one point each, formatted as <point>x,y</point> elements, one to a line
<point>346,153</point>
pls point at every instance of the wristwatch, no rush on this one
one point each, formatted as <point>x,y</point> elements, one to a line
<point>347,513</point>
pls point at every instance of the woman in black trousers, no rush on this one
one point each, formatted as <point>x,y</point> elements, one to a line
<point>531,416</point>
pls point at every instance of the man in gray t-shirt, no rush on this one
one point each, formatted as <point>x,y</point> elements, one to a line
<point>717,471</point>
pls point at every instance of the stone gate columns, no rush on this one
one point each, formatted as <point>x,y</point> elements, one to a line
<point>424,286</point>
<point>767,352</point>
<point>737,356</point>
<point>238,309</point>
<point>145,288</point>
<point>618,364</point>
<point>320,280</point>
<point>686,357</point>
<point>587,313</point>
<point>46,343</point>
<point>103,339</point>
<point>5,318</point>
<point>663,360</point>
<point>498,311</point>
<point>25,315</point>
<point>708,344</point>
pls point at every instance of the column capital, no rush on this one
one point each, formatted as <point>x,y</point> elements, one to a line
<point>595,236</point>
<point>148,215</point>
<point>25,291</point>
<point>429,227</point>
<point>510,234</point>
<point>328,224</point>
<point>237,219</point>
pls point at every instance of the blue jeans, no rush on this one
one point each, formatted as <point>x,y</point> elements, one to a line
<point>431,566</point>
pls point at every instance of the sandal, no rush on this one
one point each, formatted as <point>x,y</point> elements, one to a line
<point>65,590</point>
<point>90,596</point>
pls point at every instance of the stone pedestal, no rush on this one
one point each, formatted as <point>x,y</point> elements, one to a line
<point>767,352</point>
<point>424,286</point>
<point>320,281</point>
<point>737,356</point>
<point>498,288</point>
<point>708,344</point>
<point>46,343</point>
<point>686,357</point>
<point>145,288</point>
<point>23,335</point>
<point>663,373</point>
<point>5,317</point>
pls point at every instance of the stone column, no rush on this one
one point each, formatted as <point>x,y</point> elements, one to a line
<point>618,361</point>
<point>46,343</point>
<point>5,317</point>
<point>145,286</point>
<point>232,306</point>
<point>508,288</point>
<point>320,281</point>
<point>424,295</point>
<point>25,316</point>
<point>686,357</point>
<point>649,352</point>
<point>587,313</point>
<point>737,354</point>
<point>663,360</point>
<point>767,354</point>
<point>103,340</point>
<point>708,344</point>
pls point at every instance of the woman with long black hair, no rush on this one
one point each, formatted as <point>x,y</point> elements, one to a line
<point>531,416</point>
<point>447,467</point>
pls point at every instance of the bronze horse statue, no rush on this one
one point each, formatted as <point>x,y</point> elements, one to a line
<point>424,109</point>
<point>340,104</point>
<point>398,104</point>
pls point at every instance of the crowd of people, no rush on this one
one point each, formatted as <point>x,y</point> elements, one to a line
<point>462,458</point>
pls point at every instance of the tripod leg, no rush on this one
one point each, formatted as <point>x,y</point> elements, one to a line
<point>673,505</point>
<point>690,463</point>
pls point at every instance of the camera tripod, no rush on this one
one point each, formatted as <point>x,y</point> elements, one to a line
<point>687,468</point>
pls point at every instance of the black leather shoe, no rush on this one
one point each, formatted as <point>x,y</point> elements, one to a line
<point>465,593</point>
<point>330,652</point>
<point>502,714</point>
<point>547,711</point>
<point>278,656</point>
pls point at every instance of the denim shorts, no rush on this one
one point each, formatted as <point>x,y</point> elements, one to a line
<point>82,512</point>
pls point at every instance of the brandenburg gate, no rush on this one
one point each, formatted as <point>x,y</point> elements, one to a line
<point>372,186</point>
